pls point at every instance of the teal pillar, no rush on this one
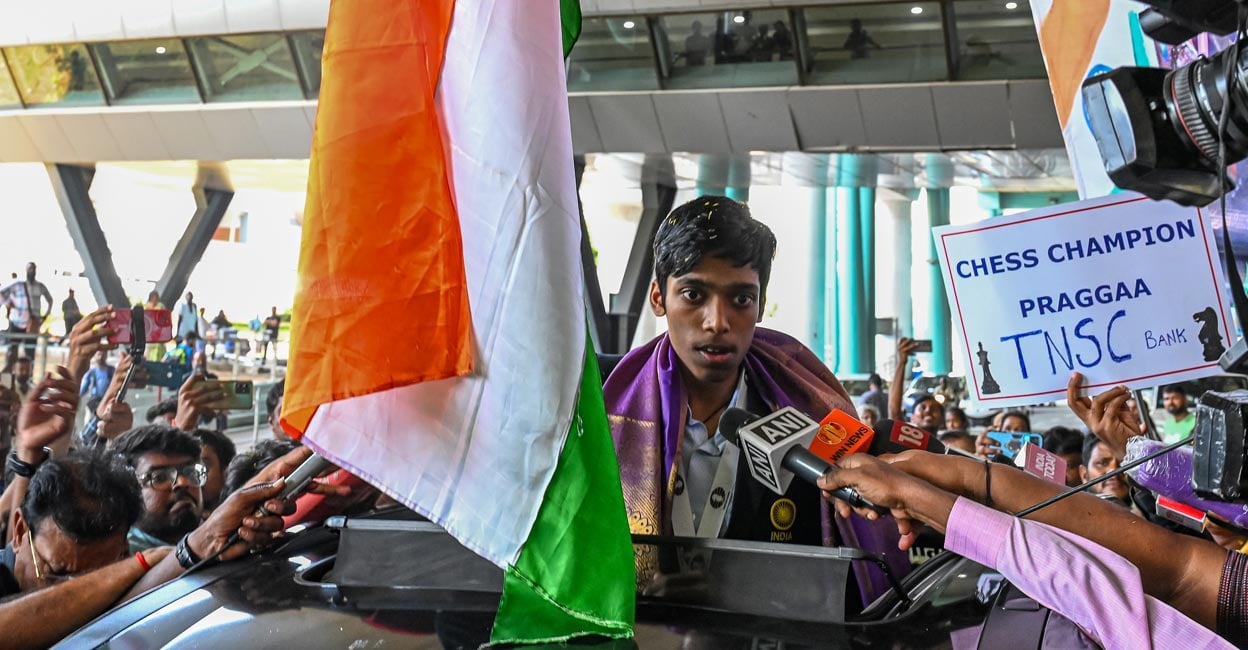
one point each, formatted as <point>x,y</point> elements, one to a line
<point>712,175</point>
<point>808,173</point>
<point>739,179</point>
<point>942,335</point>
<point>855,326</point>
<point>866,219</point>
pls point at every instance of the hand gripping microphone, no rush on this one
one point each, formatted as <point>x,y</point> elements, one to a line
<point>775,450</point>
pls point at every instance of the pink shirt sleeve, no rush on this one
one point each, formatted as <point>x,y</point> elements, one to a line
<point>1097,589</point>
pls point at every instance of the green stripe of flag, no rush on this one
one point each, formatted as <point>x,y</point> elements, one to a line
<point>575,573</point>
<point>570,16</point>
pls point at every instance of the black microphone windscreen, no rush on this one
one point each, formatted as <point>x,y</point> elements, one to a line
<point>731,422</point>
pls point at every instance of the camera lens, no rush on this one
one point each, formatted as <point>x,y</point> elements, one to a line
<point>1194,96</point>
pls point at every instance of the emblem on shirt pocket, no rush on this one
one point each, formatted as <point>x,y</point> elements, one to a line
<point>783,514</point>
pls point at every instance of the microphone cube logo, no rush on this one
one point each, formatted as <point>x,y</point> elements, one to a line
<point>766,440</point>
<point>910,436</point>
<point>760,465</point>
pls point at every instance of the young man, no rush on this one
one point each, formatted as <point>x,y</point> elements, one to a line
<point>216,454</point>
<point>24,302</point>
<point>166,462</point>
<point>664,400</point>
<point>1181,421</point>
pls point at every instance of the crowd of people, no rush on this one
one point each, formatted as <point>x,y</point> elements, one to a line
<point>122,508</point>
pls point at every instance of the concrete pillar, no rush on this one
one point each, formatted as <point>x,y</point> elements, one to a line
<point>939,172</point>
<point>71,184</point>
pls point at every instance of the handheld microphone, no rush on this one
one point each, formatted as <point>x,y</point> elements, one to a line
<point>296,484</point>
<point>1038,461</point>
<point>775,451</point>
<point>894,437</point>
<point>1171,476</point>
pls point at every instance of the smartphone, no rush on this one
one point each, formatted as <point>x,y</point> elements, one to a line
<point>158,323</point>
<point>165,375</point>
<point>923,345</point>
<point>1013,442</point>
<point>238,395</point>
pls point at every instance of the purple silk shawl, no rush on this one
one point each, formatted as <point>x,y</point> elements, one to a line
<point>646,409</point>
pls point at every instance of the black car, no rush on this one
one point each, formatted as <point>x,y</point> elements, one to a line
<point>389,580</point>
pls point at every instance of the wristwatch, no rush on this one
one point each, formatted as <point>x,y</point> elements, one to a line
<point>186,557</point>
<point>25,469</point>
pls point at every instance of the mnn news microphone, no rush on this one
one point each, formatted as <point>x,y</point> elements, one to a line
<point>775,450</point>
<point>1170,475</point>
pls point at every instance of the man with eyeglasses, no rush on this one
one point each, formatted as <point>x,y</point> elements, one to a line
<point>166,462</point>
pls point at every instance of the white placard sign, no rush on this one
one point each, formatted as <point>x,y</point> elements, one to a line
<point>1122,289</point>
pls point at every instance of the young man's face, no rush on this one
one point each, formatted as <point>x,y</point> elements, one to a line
<point>1103,462</point>
<point>58,556</point>
<point>1174,403</point>
<point>170,509</point>
<point>928,414</point>
<point>711,314</point>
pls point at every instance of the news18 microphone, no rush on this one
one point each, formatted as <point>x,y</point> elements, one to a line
<point>1170,475</point>
<point>774,447</point>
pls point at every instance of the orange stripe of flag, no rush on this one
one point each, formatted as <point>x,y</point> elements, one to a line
<point>382,299</point>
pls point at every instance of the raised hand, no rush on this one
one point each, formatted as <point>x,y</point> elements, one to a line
<point>1110,415</point>
<point>88,337</point>
<point>47,414</point>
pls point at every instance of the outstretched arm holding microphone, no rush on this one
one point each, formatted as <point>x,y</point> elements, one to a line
<point>1093,584</point>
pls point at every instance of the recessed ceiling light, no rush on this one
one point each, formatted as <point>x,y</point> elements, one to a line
<point>1011,5</point>
<point>160,49</point>
<point>916,10</point>
<point>738,19</point>
<point>628,24</point>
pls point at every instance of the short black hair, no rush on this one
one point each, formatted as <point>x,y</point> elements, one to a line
<point>1173,388</point>
<point>246,465</point>
<point>275,395</point>
<point>192,336</point>
<point>875,380</point>
<point>163,407</point>
<point>921,397</point>
<point>712,226</point>
<point>955,410</point>
<point>1090,441</point>
<point>160,438</point>
<point>89,495</point>
<point>1017,414</point>
<point>1063,440</point>
<point>953,434</point>
<point>220,443</point>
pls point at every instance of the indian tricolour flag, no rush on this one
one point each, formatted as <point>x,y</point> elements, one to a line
<point>439,347</point>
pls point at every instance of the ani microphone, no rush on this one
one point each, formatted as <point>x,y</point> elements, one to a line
<point>775,450</point>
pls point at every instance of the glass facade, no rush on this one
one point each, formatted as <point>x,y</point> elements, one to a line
<point>153,71</point>
<point>841,44</point>
<point>308,47</point>
<point>8,90</point>
<point>878,43</point>
<point>54,74</point>
<point>997,40</point>
<point>252,67</point>
<point>612,54</point>
<point>727,49</point>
